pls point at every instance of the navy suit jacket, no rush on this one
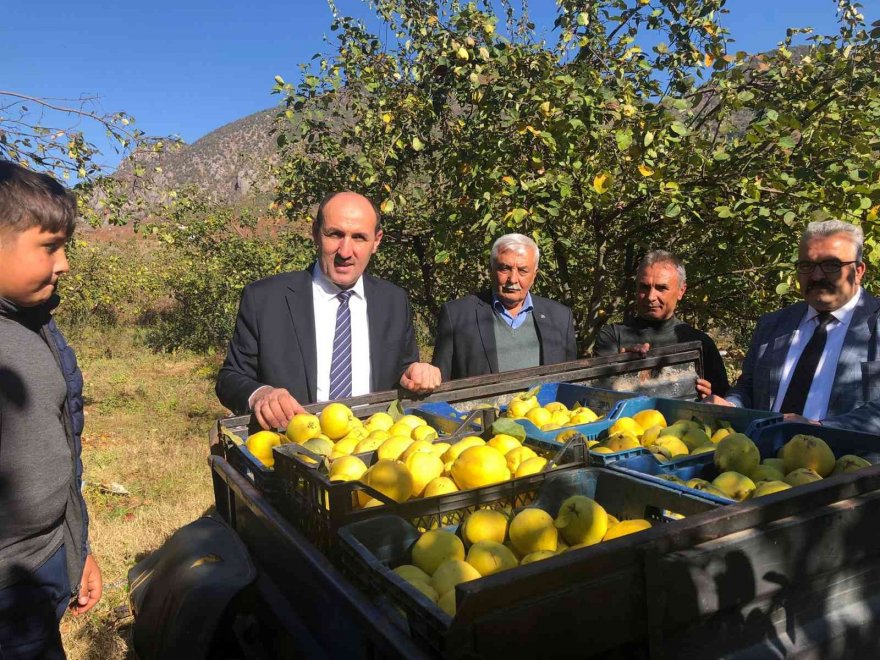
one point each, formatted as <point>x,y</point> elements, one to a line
<point>274,339</point>
<point>465,338</point>
<point>855,394</point>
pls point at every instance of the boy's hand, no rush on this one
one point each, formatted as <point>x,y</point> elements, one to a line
<point>90,588</point>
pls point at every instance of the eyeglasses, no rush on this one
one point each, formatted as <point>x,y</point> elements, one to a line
<point>828,267</point>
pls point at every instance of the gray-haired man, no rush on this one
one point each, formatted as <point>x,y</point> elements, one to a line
<point>661,281</point>
<point>506,327</point>
<point>817,360</point>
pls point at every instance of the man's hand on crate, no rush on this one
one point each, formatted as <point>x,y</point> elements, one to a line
<point>420,378</point>
<point>274,406</point>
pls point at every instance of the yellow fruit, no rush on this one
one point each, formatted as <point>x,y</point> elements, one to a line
<point>556,406</point>
<point>649,418</point>
<point>426,589</point>
<point>370,443</point>
<point>484,525</point>
<point>390,478</point>
<point>355,433</point>
<point>424,468</point>
<point>697,438</point>
<point>626,424</point>
<point>516,456</point>
<point>705,449</point>
<point>560,418</point>
<point>850,463</point>
<point>260,445</point>
<point>802,476</point>
<point>347,468</point>
<point>440,448</point>
<point>424,434</point>
<point>479,466</point>
<point>737,453</point>
<point>490,557</point>
<point>565,436</point>
<point>766,473</point>
<point>418,446</point>
<point>401,428</point>
<point>670,447</point>
<point>519,406</point>
<point>439,486</point>
<point>734,485</point>
<point>539,416</point>
<point>532,530</point>
<point>380,421</point>
<point>625,527</point>
<point>465,443</point>
<point>581,521</point>
<point>649,437</point>
<point>720,434</point>
<point>807,451</point>
<point>412,573</point>
<point>536,556</point>
<point>345,446</point>
<point>776,463</point>
<point>452,572</point>
<point>377,434</point>
<point>412,421</point>
<point>318,446</point>
<point>302,427</point>
<point>393,447</point>
<point>601,449</point>
<point>583,416</point>
<point>504,443</point>
<point>531,466</point>
<point>549,427</point>
<point>371,502</point>
<point>769,487</point>
<point>621,442</point>
<point>447,602</point>
<point>335,420</point>
<point>435,547</point>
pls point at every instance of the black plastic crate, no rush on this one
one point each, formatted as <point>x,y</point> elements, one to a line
<point>319,507</point>
<point>370,549</point>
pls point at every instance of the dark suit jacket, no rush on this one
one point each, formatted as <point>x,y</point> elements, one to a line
<point>274,339</point>
<point>855,394</point>
<point>465,338</point>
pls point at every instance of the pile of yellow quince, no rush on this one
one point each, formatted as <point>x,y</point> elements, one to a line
<point>649,429</point>
<point>743,475</point>
<point>491,541</point>
<point>411,461</point>
<point>550,417</point>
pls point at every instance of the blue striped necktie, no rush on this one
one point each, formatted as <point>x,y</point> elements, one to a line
<point>340,365</point>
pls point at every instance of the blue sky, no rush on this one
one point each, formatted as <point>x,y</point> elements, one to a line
<point>187,67</point>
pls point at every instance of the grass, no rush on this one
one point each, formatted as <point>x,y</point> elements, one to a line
<point>147,420</point>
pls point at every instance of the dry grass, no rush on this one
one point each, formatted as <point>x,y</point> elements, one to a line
<point>147,419</point>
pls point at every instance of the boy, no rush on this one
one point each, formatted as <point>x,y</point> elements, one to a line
<point>45,565</point>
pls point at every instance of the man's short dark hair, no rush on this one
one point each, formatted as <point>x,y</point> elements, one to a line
<point>319,216</point>
<point>30,199</point>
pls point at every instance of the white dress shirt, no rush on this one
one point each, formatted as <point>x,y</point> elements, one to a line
<point>326,304</point>
<point>816,406</point>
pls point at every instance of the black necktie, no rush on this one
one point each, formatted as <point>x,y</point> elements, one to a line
<point>802,378</point>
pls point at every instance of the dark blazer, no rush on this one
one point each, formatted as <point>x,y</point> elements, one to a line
<point>465,338</point>
<point>855,394</point>
<point>274,339</point>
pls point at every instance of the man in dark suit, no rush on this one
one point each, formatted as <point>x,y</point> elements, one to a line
<point>507,327</point>
<point>817,360</point>
<point>329,332</point>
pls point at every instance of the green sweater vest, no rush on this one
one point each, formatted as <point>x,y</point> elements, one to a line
<point>516,349</point>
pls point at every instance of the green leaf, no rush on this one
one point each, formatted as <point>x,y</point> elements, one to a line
<point>679,128</point>
<point>624,138</point>
<point>649,138</point>
<point>395,409</point>
<point>672,211</point>
<point>782,288</point>
<point>787,142</point>
<point>417,144</point>
<point>723,211</point>
<point>508,426</point>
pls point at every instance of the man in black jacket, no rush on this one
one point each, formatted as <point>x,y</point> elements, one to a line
<point>660,285</point>
<point>506,327</point>
<point>329,332</point>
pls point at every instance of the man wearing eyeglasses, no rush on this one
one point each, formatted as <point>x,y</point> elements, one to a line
<point>817,360</point>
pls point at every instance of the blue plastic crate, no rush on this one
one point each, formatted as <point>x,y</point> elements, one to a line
<point>743,420</point>
<point>605,403</point>
<point>768,439</point>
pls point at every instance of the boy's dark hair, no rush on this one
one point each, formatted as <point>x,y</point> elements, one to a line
<point>29,199</point>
